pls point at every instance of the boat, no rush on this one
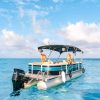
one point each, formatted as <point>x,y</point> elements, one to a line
<point>48,73</point>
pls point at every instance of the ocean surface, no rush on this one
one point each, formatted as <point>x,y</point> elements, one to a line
<point>86,87</point>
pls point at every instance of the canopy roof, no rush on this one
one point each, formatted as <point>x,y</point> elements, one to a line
<point>61,48</point>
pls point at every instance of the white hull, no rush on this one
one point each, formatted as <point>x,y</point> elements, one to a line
<point>51,81</point>
<point>58,80</point>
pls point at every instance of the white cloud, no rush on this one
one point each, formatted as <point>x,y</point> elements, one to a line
<point>81,31</point>
<point>32,10</point>
<point>37,7</point>
<point>15,45</point>
<point>39,25</point>
<point>20,2</point>
<point>21,12</point>
<point>84,35</point>
<point>57,1</point>
<point>10,38</point>
<point>46,41</point>
<point>92,1</point>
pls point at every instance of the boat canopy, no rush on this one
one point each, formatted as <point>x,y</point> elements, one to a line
<point>61,48</point>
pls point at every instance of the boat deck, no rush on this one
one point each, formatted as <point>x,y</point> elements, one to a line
<point>51,63</point>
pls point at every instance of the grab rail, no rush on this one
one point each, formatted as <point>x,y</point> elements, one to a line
<point>42,75</point>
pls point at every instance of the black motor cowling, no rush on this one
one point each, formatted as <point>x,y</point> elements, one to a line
<point>18,79</point>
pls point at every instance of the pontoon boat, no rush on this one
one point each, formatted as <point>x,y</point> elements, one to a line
<point>47,73</point>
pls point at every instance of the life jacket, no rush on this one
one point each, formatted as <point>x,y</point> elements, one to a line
<point>43,57</point>
<point>69,59</point>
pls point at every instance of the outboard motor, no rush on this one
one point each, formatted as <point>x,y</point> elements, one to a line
<point>18,80</point>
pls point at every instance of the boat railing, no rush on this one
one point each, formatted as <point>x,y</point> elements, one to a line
<point>30,81</point>
<point>39,72</point>
<point>41,75</point>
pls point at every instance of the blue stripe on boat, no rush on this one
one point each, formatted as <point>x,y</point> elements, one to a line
<point>49,68</point>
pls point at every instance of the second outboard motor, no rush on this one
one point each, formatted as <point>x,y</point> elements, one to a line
<point>18,79</point>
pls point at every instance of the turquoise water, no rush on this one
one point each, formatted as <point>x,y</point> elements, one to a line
<point>86,87</point>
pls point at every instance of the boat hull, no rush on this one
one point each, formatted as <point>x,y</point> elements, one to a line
<point>58,80</point>
<point>51,82</point>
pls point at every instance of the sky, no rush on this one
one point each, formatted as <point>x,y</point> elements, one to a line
<point>27,24</point>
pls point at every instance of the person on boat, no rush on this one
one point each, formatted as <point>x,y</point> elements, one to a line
<point>43,56</point>
<point>69,58</point>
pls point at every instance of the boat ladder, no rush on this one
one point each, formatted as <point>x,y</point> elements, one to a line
<point>41,75</point>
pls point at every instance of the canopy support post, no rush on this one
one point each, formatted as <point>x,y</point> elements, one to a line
<point>49,54</point>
